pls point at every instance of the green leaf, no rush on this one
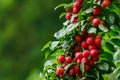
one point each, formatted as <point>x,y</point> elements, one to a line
<point>118,76</point>
<point>66,45</point>
<point>54,44</point>
<point>67,6</point>
<point>103,66</point>
<point>47,53</point>
<point>68,30</point>
<point>83,24</point>
<point>115,9</point>
<point>66,23</point>
<point>89,10</point>
<point>60,5</point>
<point>117,63</point>
<point>111,18</point>
<point>92,30</point>
<point>116,41</point>
<point>62,14</point>
<point>110,47</point>
<point>116,55</point>
<point>104,56</point>
<point>103,28</point>
<point>46,45</point>
<point>69,66</point>
<point>82,67</point>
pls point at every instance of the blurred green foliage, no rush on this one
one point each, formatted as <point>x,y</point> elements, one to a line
<point>25,26</point>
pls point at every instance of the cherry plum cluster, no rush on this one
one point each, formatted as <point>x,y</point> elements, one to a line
<point>87,52</point>
<point>74,10</point>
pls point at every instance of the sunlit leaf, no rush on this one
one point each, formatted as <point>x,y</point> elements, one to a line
<point>46,45</point>
<point>62,15</point>
<point>60,5</point>
<point>103,28</point>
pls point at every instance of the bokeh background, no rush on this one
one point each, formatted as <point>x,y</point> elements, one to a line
<point>25,26</point>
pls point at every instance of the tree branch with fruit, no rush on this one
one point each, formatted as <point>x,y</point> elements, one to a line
<point>85,46</point>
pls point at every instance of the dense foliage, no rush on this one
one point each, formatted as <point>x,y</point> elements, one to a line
<point>88,45</point>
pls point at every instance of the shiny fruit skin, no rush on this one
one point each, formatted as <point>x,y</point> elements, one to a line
<point>98,42</point>
<point>60,71</point>
<point>78,55</point>
<point>85,60</point>
<point>90,40</point>
<point>75,10</point>
<point>105,3</point>
<point>78,38</point>
<point>68,16</point>
<point>94,53</point>
<point>76,70</point>
<point>91,47</point>
<point>96,22</point>
<point>68,59</point>
<point>96,11</point>
<point>84,44</point>
<point>86,53</point>
<point>78,61</point>
<point>61,59</point>
<point>77,5</point>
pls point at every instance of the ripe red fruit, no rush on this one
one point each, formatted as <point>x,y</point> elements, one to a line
<point>78,61</point>
<point>96,21</point>
<point>85,60</point>
<point>75,20</point>
<point>94,53</point>
<point>80,1</point>
<point>75,10</point>
<point>86,53</point>
<point>91,63</point>
<point>68,59</point>
<point>78,55</point>
<point>70,10</point>
<point>77,48</point>
<point>71,72</point>
<point>97,42</point>
<point>76,70</point>
<point>61,59</point>
<point>84,44</point>
<point>96,58</point>
<point>75,60</point>
<point>60,71</point>
<point>68,16</point>
<point>98,37</point>
<point>91,47</point>
<point>105,3</point>
<point>78,38</point>
<point>90,40</point>
<point>77,5</point>
<point>86,67</point>
<point>96,11</point>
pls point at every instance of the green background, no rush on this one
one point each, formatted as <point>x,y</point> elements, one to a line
<point>25,26</point>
